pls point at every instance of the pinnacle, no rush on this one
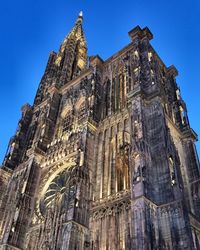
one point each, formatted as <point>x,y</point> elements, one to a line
<point>81,14</point>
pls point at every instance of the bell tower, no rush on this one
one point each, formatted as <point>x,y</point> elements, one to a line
<point>46,168</point>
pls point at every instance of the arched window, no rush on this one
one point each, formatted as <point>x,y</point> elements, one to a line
<point>106,99</point>
<point>122,89</point>
<point>171,169</point>
<point>67,122</point>
<point>81,111</point>
<point>113,99</point>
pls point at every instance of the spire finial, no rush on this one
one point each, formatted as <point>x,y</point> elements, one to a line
<point>81,14</point>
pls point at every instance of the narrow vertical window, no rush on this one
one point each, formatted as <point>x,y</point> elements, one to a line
<point>67,123</point>
<point>81,112</point>
<point>172,173</point>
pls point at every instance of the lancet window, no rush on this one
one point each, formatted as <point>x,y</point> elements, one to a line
<point>129,80</point>
<point>67,122</point>
<point>122,88</point>
<point>81,111</point>
<point>118,92</point>
<point>106,99</point>
<point>172,173</point>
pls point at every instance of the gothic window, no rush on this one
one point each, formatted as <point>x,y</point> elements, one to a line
<point>118,92</point>
<point>59,193</point>
<point>172,173</point>
<point>129,87</point>
<point>105,163</point>
<point>67,123</point>
<point>182,113</point>
<point>113,95</point>
<point>122,90</point>
<point>81,111</point>
<point>107,98</point>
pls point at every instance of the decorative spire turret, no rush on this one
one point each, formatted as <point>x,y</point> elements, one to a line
<point>68,63</point>
<point>72,55</point>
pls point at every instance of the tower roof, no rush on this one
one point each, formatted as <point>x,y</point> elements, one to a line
<point>73,50</point>
<point>76,32</point>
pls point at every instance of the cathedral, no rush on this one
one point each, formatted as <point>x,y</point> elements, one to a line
<point>105,158</point>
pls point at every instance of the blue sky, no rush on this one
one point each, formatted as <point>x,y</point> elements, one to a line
<point>29,30</point>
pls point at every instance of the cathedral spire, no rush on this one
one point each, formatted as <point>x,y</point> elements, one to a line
<point>68,63</point>
<point>72,55</point>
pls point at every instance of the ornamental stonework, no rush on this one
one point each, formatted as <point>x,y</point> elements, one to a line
<point>105,158</point>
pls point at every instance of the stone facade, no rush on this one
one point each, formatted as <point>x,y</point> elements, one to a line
<point>105,158</point>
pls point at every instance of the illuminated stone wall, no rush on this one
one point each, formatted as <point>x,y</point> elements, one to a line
<point>105,158</point>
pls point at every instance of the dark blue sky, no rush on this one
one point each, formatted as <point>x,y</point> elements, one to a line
<point>29,30</point>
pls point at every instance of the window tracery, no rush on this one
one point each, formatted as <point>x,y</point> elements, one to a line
<point>67,122</point>
<point>118,93</point>
<point>81,111</point>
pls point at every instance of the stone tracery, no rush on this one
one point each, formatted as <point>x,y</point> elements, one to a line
<point>105,158</point>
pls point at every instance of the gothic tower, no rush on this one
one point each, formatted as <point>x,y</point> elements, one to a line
<point>105,157</point>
